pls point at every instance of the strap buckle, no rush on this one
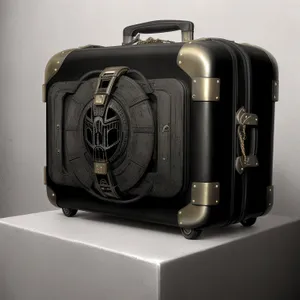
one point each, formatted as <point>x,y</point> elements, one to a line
<point>106,82</point>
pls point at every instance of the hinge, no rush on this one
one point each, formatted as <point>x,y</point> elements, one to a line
<point>205,193</point>
<point>275,91</point>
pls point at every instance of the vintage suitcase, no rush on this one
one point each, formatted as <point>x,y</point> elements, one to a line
<point>176,133</point>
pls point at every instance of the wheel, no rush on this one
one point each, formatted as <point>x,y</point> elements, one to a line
<point>69,212</point>
<point>190,234</point>
<point>249,222</point>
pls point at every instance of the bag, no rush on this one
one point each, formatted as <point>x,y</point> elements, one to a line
<point>172,133</point>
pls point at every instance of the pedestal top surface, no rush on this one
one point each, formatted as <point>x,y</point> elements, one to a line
<point>152,243</point>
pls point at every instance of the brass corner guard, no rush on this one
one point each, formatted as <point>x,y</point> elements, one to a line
<point>197,62</point>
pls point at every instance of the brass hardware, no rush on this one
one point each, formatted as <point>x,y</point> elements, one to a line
<point>99,99</point>
<point>55,63</point>
<point>244,118</point>
<point>197,61</point>
<point>106,82</point>
<point>100,168</point>
<point>51,196</point>
<point>244,162</point>
<point>193,216</point>
<point>205,89</point>
<point>205,193</point>
<point>275,90</point>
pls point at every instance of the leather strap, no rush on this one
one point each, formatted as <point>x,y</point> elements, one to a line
<point>104,180</point>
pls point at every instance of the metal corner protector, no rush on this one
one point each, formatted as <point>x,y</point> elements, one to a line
<point>197,62</point>
<point>52,196</point>
<point>55,63</point>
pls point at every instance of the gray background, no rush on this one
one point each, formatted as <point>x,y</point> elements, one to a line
<point>32,31</point>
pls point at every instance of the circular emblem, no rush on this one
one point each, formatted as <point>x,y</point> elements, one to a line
<point>106,136</point>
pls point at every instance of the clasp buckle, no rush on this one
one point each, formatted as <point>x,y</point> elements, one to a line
<point>106,82</point>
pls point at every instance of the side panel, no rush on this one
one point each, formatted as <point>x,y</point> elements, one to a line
<point>265,77</point>
<point>212,135</point>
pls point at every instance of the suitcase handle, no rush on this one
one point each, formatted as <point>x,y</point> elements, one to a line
<point>247,119</point>
<point>159,26</point>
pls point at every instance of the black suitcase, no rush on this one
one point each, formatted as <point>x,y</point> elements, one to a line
<point>179,134</point>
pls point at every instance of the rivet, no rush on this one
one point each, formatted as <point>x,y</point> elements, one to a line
<point>257,164</point>
<point>242,169</point>
<point>255,119</point>
<point>217,201</point>
<point>181,54</point>
<point>180,62</point>
<point>194,185</point>
<point>193,201</point>
<point>179,212</point>
<point>55,70</point>
<point>53,195</point>
<point>270,190</point>
<point>217,185</point>
<point>164,158</point>
<point>58,151</point>
<point>274,97</point>
<point>217,97</point>
<point>166,128</point>
<point>190,42</point>
<point>180,223</point>
<point>62,52</point>
<point>275,83</point>
<point>270,204</point>
<point>57,126</point>
<point>58,62</point>
<point>193,96</point>
<point>218,81</point>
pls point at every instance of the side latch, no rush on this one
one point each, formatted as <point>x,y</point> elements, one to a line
<point>245,119</point>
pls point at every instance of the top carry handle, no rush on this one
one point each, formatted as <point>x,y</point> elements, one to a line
<point>186,27</point>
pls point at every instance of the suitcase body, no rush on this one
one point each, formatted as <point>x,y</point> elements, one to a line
<point>198,127</point>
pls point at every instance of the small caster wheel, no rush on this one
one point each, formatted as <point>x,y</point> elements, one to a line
<point>69,212</point>
<point>248,222</point>
<point>191,234</point>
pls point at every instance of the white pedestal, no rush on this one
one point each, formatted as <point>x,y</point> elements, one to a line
<point>46,256</point>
